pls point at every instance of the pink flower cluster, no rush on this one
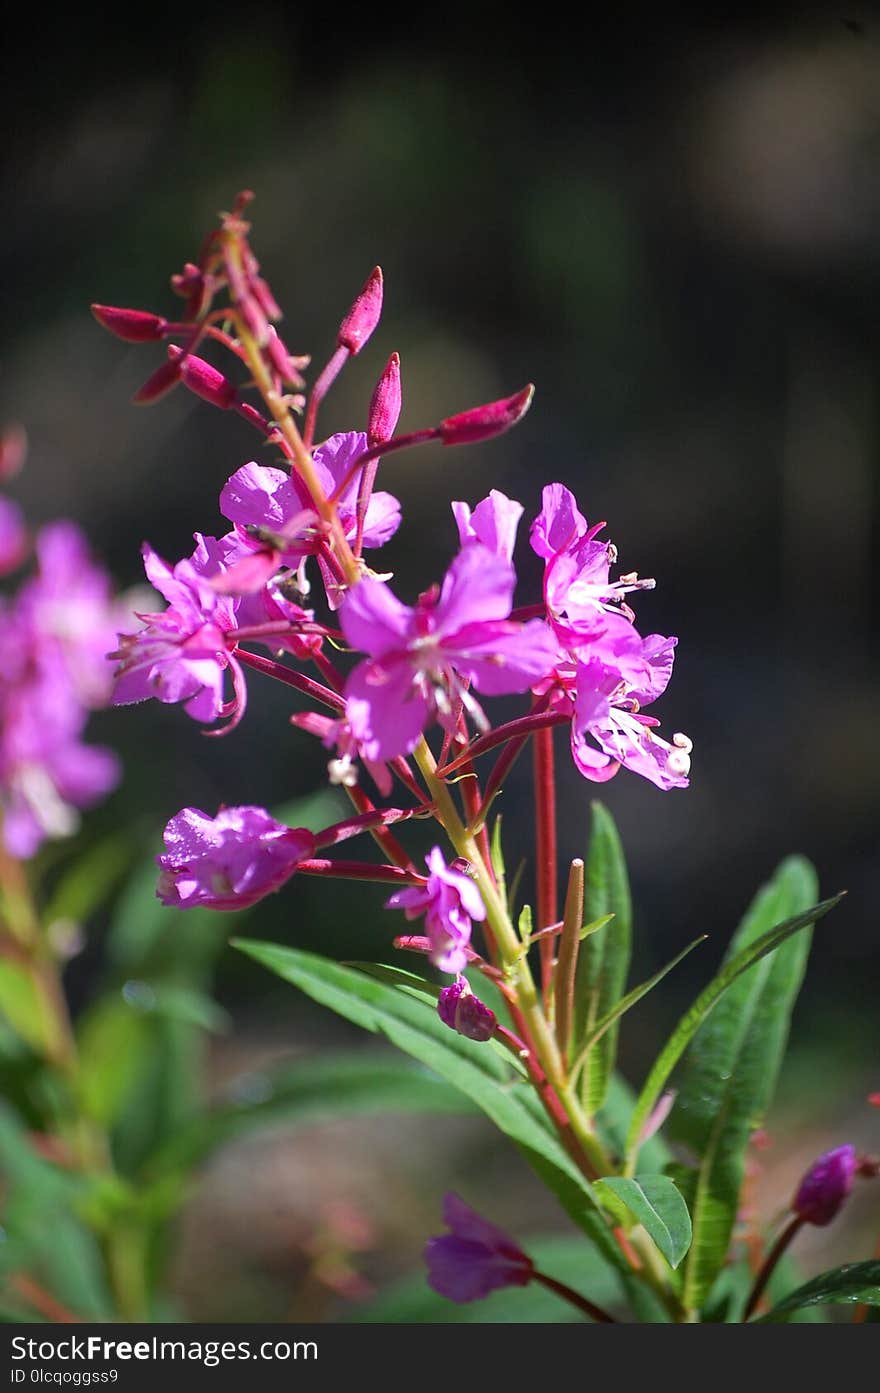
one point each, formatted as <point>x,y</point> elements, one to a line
<point>55,632</point>
<point>311,516</point>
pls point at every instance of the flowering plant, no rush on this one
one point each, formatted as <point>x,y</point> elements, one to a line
<point>401,693</point>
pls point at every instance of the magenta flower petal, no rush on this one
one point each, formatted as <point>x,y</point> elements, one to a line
<point>476,1258</point>
<point>229,861</point>
<point>493,523</point>
<point>386,711</point>
<point>478,587</point>
<point>449,901</point>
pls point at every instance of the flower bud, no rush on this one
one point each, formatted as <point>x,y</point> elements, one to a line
<point>385,404</point>
<point>825,1186</point>
<point>362,318</point>
<point>482,422</point>
<point>132,326</point>
<point>13,450</point>
<point>458,1008</point>
<point>161,381</point>
<point>281,360</point>
<point>203,379</point>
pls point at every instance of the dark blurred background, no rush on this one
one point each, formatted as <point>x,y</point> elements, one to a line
<point>672,231</point>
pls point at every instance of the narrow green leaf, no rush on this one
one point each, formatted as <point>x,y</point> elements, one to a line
<point>612,1123</point>
<point>308,1091</point>
<point>691,1021</point>
<point>603,960</point>
<point>89,881</point>
<point>26,1008</point>
<point>496,852</point>
<point>114,1041</point>
<point>656,1204</point>
<point>855,1283</point>
<point>627,1001</point>
<point>731,1070</point>
<point>474,1068</point>
<point>594,926</point>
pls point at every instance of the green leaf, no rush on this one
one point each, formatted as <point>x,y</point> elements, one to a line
<point>731,1070</point>
<point>603,960</point>
<point>474,1068</point>
<point>612,1122</point>
<point>412,1302</point>
<point>655,1203</point>
<point>691,1021</point>
<point>114,1040</point>
<point>308,1091</point>
<point>856,1282</point>
<point>88,882</point>
<point>627,1001</point>
<point>26,1008</point>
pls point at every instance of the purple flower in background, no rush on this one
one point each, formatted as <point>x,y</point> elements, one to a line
<point>458,1008</point>
<point>180,655</point>
<point>69,608</point>
<point>229,861</point>
<point>475,1258</point>
<point>825,1186</point>
<point>53,643</point>
<point>419,656</point>
<point>449,901</point>
<point>46,773</point>
<point>493,523</point>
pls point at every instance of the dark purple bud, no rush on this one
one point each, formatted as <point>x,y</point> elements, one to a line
<point>162,380</point>
<point>825,1186</point>
<point>482,422</point>
<point>362,318</point>
<point>203,379</point>
<point>385,404</point>
<point>458,1008</point>
<point>133,326</point>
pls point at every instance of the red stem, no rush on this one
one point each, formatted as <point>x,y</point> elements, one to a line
<point>772,1258</point>
<point>545,848</point>
<point>594,1312</point>
<point>358,870</point>
<point>323,383</point>
<point>302,684</point>
<point>523,726</point>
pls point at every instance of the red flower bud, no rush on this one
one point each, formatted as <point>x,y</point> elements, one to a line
<point>482,422</point>
<point>362,318</point>
<point>281,360</point>
<point>385,404</point>
<point>825,1186</point>
<point>133,326</point>
<point>162,380</point>
<point>13,450</point>
<point>204,380</point>
<point>458,1008</point>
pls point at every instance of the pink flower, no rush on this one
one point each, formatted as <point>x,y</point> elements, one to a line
<point>476,1258</point>
<point>421,658</point>
<point>465,1013</point>
<point>449,901</point>
<point>493,523</point>
<point>180,654</point>
<point>623,673</point>
<point>274,516</point>
<point>229,861</point>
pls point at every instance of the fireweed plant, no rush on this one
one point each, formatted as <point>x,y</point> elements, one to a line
<point>399,690</point>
